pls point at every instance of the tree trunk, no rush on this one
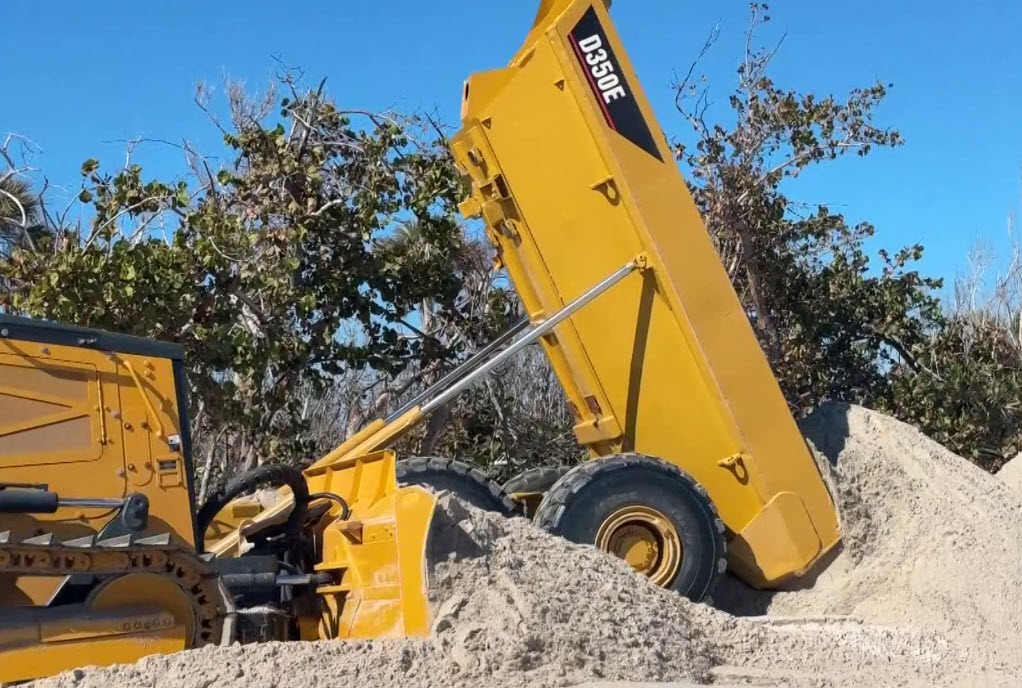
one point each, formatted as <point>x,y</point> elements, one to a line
<point>756,292</point>
<point>434,429</point>
<point>207,470</point>
<point>507,438</point>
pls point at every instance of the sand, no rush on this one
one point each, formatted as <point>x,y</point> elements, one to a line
<point>931,541</point>
<point>1011,473</point>
<point>924,593</point>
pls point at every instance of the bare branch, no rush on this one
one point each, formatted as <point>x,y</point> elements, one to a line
<point>680,86</point>
<point>21,209</point>
<point>203,96</point>
<point>124,211</point>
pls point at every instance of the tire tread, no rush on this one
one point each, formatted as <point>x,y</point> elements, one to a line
<point>557,500</point>
<point>407,468</point>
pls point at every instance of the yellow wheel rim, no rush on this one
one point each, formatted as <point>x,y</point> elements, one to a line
<point>644,538</point>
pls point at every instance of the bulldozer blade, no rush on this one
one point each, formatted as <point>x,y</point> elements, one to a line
<point>377,556</point>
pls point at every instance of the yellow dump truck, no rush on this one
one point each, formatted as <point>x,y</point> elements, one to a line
<point>671,392</point>
<point>695,459</point>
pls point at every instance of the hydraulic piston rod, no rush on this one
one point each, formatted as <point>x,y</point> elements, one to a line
<point>538,330</point>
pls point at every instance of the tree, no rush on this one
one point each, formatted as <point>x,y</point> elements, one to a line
<point>966,391</point>
<point>272,271</point>
<point>21,210</point>
<point>322,278</point>
<point>514,419</point>
<point>831,325</point>
<point>518,419</point>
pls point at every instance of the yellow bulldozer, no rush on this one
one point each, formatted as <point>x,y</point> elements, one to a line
<point>695,461</point>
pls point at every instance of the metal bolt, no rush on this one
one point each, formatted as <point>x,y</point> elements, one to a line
<point>45,351</point>
<point>120,473</point>
<point>5,332</point>
<point>116,414</point>
<point>127,426</point>
<point>131,467</point>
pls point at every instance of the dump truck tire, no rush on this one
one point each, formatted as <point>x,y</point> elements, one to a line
<point>528,488</point>
<point>468,484</point>
<point>261,476</point>
<point>646,511</point>
<point>535,479</point>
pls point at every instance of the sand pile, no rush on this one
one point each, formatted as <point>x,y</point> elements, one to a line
<point>1011,473</point>
<point>931,541</point>
<point>924,594</point>
<point>514,607</point>
<point>517,607</point>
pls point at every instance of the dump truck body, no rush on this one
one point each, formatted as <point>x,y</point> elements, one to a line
<point>573,177</point>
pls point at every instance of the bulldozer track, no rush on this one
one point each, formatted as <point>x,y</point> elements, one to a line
<point>45,555</point>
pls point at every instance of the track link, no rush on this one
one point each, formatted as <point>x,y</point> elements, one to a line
<point>45,555</point>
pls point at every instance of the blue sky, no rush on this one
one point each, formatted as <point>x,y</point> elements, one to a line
<point>87,75</point>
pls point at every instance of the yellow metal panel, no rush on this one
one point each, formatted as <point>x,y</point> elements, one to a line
<point>379,553</point>
<point>119,452</point>
<point>569,193</point>
<point>53,658</point>
<point>49,411</point>
<point>72,464</point>
<point>45,641</point>
<point>777,543</point>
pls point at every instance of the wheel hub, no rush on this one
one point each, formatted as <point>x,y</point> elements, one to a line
<point>644,538</point>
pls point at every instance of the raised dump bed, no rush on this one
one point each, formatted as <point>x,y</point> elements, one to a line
<point>574,179</point>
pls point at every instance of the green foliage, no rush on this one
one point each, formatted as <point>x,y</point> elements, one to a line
<point>831,324</point>
<point>965,390</point>
<point>274,272</point>
<point>21,214</point>
<point>834,324</point>
<point>323,276</point>
<point>840,325</point>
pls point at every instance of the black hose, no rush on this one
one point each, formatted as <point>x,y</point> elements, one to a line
<point>248,481</point>
<point>345,509</point>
